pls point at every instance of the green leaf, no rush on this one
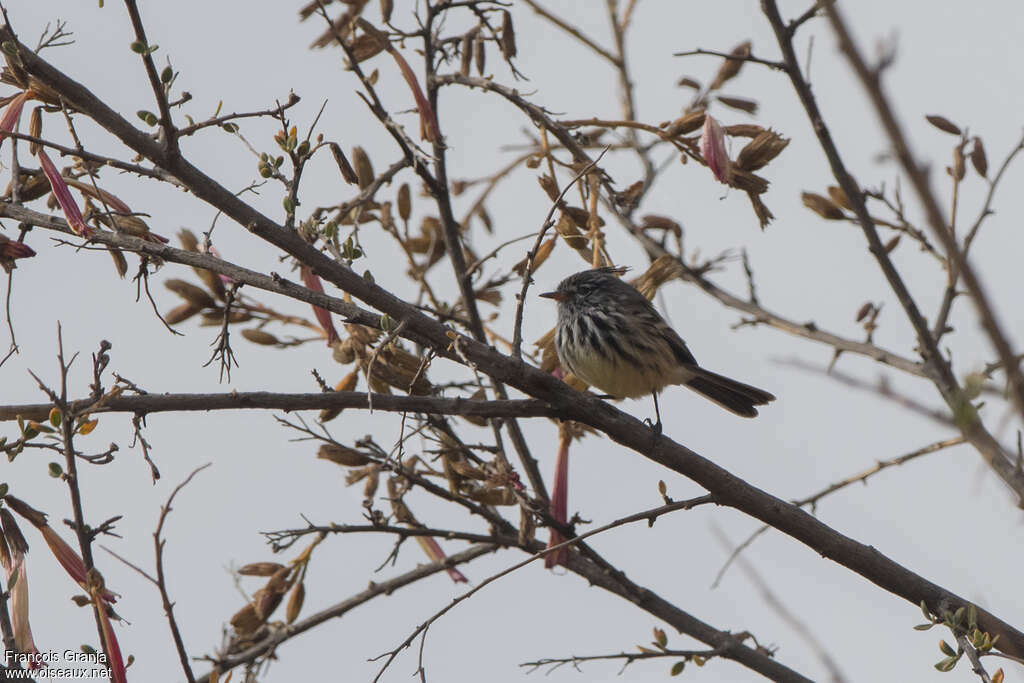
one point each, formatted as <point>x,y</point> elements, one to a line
<point>166,75</point>
<point>972,616</point>
<point>923,627</point>
<point>13,578</point>
<point>138,47</point>
<point>4,488</point>
<point>677,668</point>
<point>230,127</point>
<point>55,470</point>
<point>946,649</point>
<point>946,664</point>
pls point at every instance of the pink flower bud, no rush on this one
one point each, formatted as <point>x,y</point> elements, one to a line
<point>323,316</point>
<point>712,147</point>
<point>12,114</point>
<point>63,196</point>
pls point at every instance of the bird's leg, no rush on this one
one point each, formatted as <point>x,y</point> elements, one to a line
<point>656,426</point>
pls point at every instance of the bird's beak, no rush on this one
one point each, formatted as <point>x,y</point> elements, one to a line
<point>557,296</point>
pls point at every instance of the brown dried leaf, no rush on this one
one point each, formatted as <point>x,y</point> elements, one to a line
<point>837,195</point>
<point>295,601</point>
<point>685,124</point>
<point>479,54</point>
<point>260,337</point>
<point>744,130</point>
<point>190,293</point>
<point>466,53</point>
<point>822,206</point>
<point>181,313</point>
<point>943,124</point>
<point>404,202</point>
<point>261,569</point>
<point>364,169</point>
<point>508,36</point>
<point>342,455</point>
<point>687,82</point>
<point>978,158</point>
<point>730,67</point>
<point>740,103</point>
<point>347,172</point>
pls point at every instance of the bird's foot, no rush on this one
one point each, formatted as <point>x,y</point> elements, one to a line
<point>655,426</point>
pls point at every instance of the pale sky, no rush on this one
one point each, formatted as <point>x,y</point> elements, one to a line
<point>945,516</point>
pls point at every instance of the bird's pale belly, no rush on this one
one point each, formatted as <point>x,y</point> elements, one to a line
<point>622,380</point>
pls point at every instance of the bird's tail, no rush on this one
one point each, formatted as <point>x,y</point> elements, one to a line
<point>734,396</point>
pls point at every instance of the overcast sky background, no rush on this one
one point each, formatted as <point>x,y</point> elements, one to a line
<point>944,517</point>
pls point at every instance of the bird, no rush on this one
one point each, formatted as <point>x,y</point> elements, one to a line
<point>610,336</point>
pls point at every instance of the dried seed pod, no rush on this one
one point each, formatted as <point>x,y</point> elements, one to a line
<point>550,187</point>
<point>261,569</point>
<point>35,129</point>
<point>120,263</point>
<point>364,169</point>
<point>295,600</point>
<point>687,82</point>
<point>837,195</point>
<point>466,53</point>
<point>822,206</point>
<point>245,621</point>
<point>731,67</point>
<point>404,202</point>
<point>508,36</point>
<point>743,179</point>
<point>740,103</point>
<point>479,53</point>
<point>761,150</point>
<point>543,251</point>
<point>181,313</point>
<point>978,158</point>
<point>342,455</point>
<point>257,336</point>
<point>864,310</point>
<point>943,124</point>
<point>685,124</point>
<point>190,293</point>
<point>367,46</point>
<point>188,239</point>
<point>663,269</point>
<point>347,172</point>
<point>743,130</point>
<point>891,244</point>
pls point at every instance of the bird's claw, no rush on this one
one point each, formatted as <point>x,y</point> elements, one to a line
<point>655,426</point>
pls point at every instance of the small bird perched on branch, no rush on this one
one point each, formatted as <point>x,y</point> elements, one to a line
<point>611,337</point>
